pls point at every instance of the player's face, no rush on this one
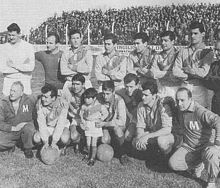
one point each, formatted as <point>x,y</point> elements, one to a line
<point>89,100</point>
<point>51,43</point>
<point>15,92</point>
<point>217,49</point>
<point>76,40</point>
<point>166,43</point>
<point>196,36</point>
<point>109,46</point>
<point>182,100</point>
<point>108,95</point>
<point>147,97</point>
<point>46,99</point>
<point>77,86</point>
<point>139,45</point>
<point>13,37</point>
<point>131,87</point>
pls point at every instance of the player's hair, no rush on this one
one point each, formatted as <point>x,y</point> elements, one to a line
<point>49,88</point>
<point>217,34</point>
<point>57,37</point>
<point>150,85</point>
<point>197,25</point>
<point>79,77</point>
<point>108,85</point>
<point>131,77</point>
<point>90,93</point>
<point>171,35</point>
<point>189,93</point>
<point>111,36</point>
<point>143,36</point>
<point>14,27</point>
<point>18,83</point>
<point>74,31</point>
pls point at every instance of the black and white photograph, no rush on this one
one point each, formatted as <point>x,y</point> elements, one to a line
<point>109,94</point>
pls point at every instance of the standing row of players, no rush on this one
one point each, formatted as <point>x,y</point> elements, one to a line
<point>144,115</point>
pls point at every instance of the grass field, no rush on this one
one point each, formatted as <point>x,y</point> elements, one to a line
<point>70,172</point>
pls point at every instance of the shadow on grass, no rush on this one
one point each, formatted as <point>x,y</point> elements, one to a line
<point>158,162</point>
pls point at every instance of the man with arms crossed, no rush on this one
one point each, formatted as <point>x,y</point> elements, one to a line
<point>77,59</point>
<point>193,63</point>
<point>140,59</point>
<point>111,65</point>
<point>18,61</point>
<point>162,66</point>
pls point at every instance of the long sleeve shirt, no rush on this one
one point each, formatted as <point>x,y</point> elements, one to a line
<point>157,117</point>
<point>191,66</point>
<point>162,66</point>
<point>117,112</point>
<point>54,116</point>
<point>138,61</point>
<point>8,116</point>
<point>76,61</point>
<point>114,64</point>
<point>198,123</point>
<point>196,60</point>
<point>22,58</point>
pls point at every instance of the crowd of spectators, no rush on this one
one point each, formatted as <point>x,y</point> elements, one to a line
<point>151,19</point>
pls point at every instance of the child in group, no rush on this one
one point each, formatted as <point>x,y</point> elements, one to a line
<point>91,112</point>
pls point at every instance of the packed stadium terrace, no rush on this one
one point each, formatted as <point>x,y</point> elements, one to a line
<point>152,20</point>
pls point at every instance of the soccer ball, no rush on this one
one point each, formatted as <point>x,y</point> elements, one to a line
<point>105,153</point>
<point>49,155</point>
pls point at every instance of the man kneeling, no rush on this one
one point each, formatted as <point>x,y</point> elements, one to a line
<point>16,122</point>
<point>52,118</point>
<point>154,120</point>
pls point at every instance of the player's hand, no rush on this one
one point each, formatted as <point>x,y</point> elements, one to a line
<point>73,67</point>
<point>142,142</point>
<point>100,124</point>
<point>46,144</point>
<point>19,126</point>
<point>188,70</point>
<point>209,153</point>
<point>54,145</point>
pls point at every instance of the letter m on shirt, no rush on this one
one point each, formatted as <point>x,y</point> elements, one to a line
<point>193,125</point>
<point>25,108</point>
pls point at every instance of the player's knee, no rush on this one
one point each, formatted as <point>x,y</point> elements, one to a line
<point>65,136</point>
<point>37,138</point>
<point>106,139</point>
<point>119,131</point>
<point>163,142</point>
<point>74,135</point>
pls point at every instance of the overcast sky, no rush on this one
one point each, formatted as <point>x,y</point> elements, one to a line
<point>31,13</point>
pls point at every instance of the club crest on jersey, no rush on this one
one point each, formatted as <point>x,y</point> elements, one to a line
<point>193,125</point>
<point>25,108</point>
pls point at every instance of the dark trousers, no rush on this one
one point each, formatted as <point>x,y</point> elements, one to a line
<point>10,139</point>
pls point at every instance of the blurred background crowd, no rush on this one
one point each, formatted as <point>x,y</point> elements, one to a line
<point>126,22</point>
